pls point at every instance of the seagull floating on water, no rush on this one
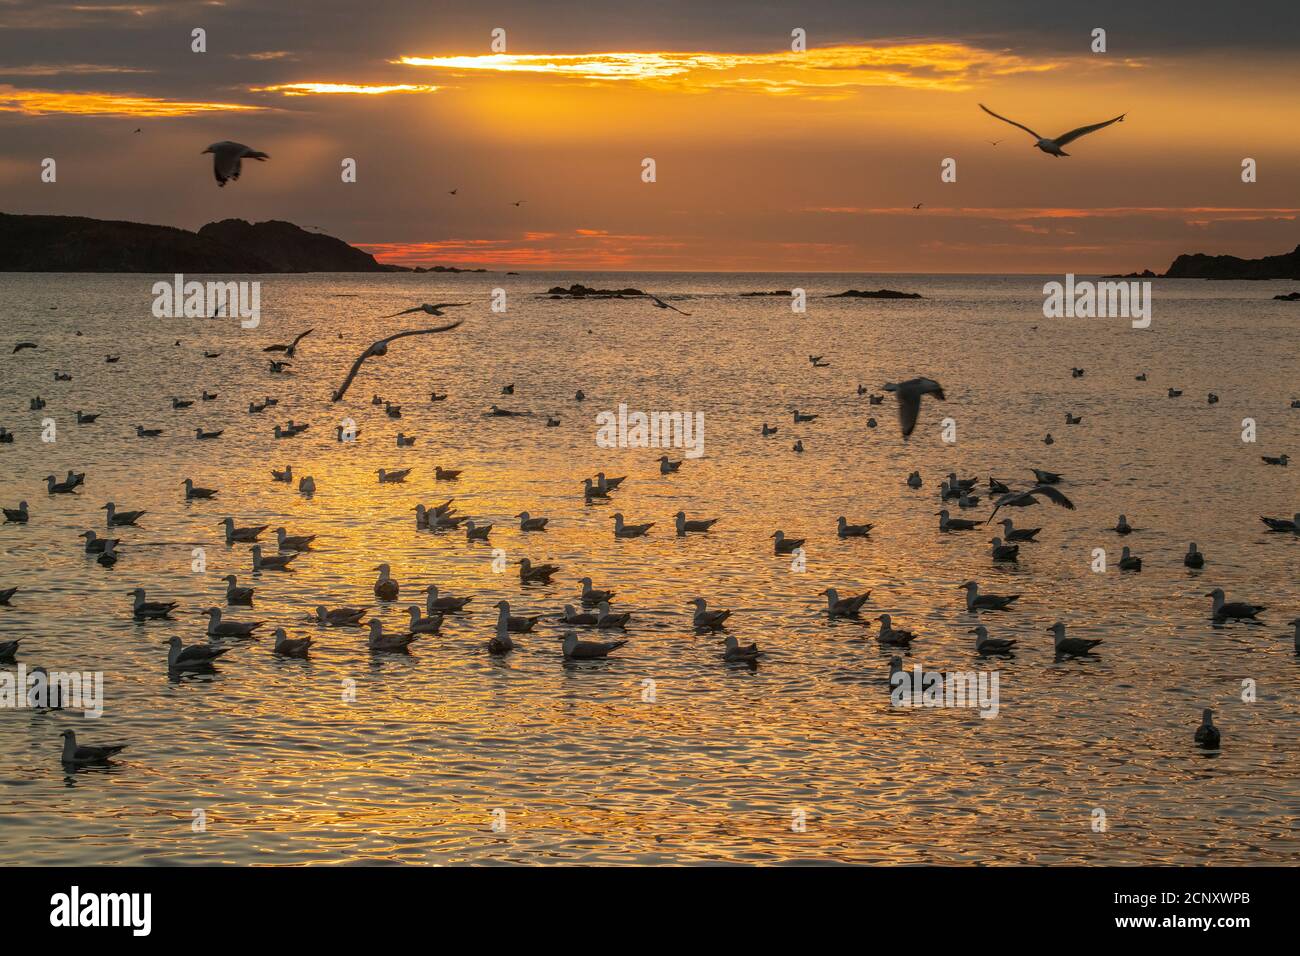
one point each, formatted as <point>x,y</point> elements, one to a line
<point>847,606</point>
<point>74,755</point>
<point>1207,735</point>
<point>575,649</point>
<point>704,619</point>
<point>1235,610</point>
<point>986,602</point>
<point>1070,646</point>
<point>194,657</point>
<point>219,628</point>
<point>991,645</point>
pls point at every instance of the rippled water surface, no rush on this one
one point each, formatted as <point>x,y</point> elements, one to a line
<point>716,766</point>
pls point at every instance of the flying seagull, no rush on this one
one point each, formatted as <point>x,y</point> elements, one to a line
<point>1053,146</point>
<point>381,348</point>
<point>909,399</point>
<point>1023,499</point>
<point>660,303</point>
<point>226,157</point>
<point>430,309</point>
<point>288,349</point>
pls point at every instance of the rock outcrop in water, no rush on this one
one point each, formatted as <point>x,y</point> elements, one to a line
<point>580,291</point>
<point>1289,297</point>
<point>80,244</point>
<point>878,294</point>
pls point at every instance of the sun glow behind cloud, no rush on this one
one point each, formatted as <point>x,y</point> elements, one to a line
<point>835,70</point>
<point>304,89</point>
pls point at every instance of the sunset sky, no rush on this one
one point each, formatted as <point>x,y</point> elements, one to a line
<point>767,159</point>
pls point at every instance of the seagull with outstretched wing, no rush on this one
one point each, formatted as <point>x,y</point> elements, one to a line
<point>909,399</point>
<point>660,303</point>
<point>1053,147</point>
<point>227,157</point>
<point>288,349</point>
<point>381,348</point>
<point>427,308</point>
<point>1023,499</point>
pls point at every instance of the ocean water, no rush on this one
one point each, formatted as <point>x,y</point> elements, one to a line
<point>724,759</point>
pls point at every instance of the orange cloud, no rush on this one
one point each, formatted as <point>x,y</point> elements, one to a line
<point>304,89</point>
<point>834,70</point>
<point>36,102</point>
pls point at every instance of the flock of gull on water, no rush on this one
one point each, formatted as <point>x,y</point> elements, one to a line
<point>597,615</point>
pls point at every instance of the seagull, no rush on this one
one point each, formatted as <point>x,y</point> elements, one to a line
<point>909,399</point>
<point>734,651</point>
<point>1282,524</point>
<point>890,636</point>
<point>1122,526</point>
<point>1070,646</point>
<point>340,616</point>
<point>607,619</point>
<point>227,157</point>
<point>706,619</point>
<point>698,526</point>
<point>593,596</point>
<point>990,645</point>
<point>235,595</point>
<point>661,304</point>
<point>622,530</point>
<point>18,515</point>
<point>1004,552</point>
<point>423,625</point>
<point>60,487</point>
<point>289,349</point>
<point>271,562</point>
<point>528,523</point>
<point>1053,147</point>
<point>381,347</point>
<point>848,606</point>
<point>7,593</point>
<point>386,586</point>
<point>194,657</point>
<point>1193,558</point>
<point>1239,610</point>
<point>986,602</point>
<point>445,474</point>
<point>1280,460</point>
<point>201,435</point>
<point>1128,562</point>
<point>149,610</point>
<point>84,419</point>
<point>1023,499</point>
<point>193,491</point>
<point>667,467</point>
<point>428,309</point>
<point>786,545</point>
<point>846,530</point>
<point>285,476</point>
<point>575,649</point>
<point>120,519</point>
<point>8,649</point>
<point>393,477</point>
<point>1045,477</point>
<point>501,642</point>
<point>245,535</point>
<point>1294,623</point>
<point>219,628</point>
<point>914,480</point>
<point>475,532</point>
<point>23,345</point>
<point>378,641</point>
<point>1011,533</point>
<point>432,602</point>
<point>540,574</point>
<point>1207,735</point>
<point>575,618</point>
<point>79,755</point>
<point>947,523</point>
<point>293,542</point>
<point>290,647</point>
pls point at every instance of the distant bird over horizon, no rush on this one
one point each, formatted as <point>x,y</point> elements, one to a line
<point>660,303</point>
<point>1053,147</point>
<point>227,159</point>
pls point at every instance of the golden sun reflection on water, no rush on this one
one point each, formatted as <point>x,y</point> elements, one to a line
<point>585,769</point>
